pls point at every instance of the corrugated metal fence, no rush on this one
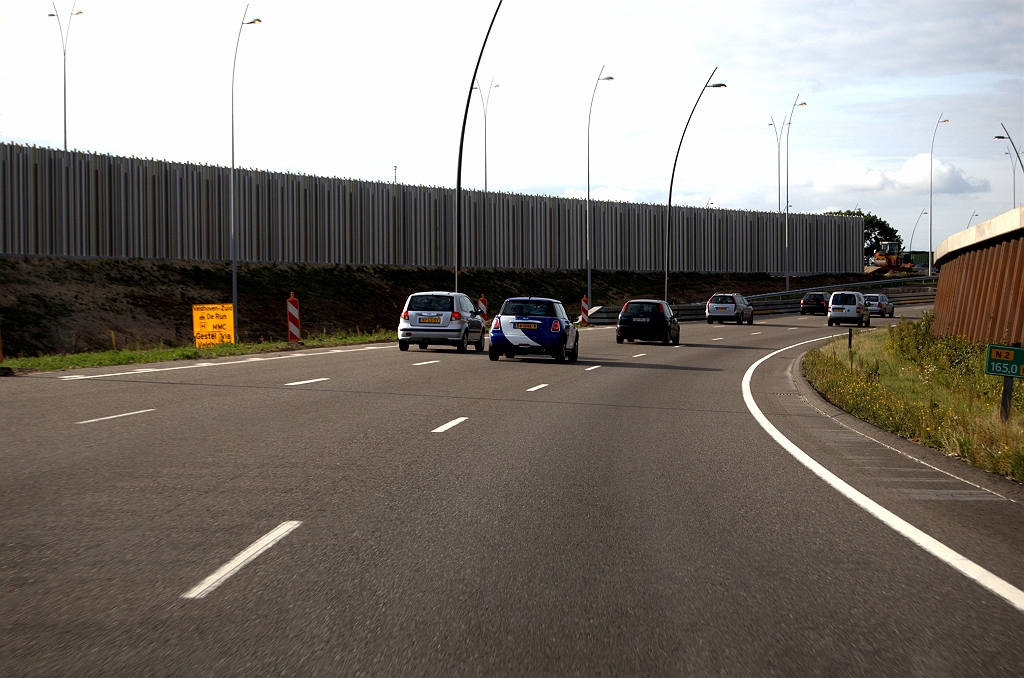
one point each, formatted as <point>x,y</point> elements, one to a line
<point>73,204</point>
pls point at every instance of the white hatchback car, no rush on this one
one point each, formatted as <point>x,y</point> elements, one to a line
<point>848,307</point>
<point>446,318</point>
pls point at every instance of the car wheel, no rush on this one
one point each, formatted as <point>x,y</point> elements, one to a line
<point>463,344</point>
<point>493,353</point>
<point>892,311</point>
<point>830,323</point>
<point>667,338</point>
<point>423,345</point>
<point>675,339</point>
<point>750,321</point>
<point>575,351</point>
<point>630,340</point>
<point>510,354</point>
<point>558,353</point>
<point>867,321</point>
<point>403,345</point>
<point>479,345</point>
<point>710,321</point>
<point>802,312</point>
<point>860,322</point>
<point>619,340</point>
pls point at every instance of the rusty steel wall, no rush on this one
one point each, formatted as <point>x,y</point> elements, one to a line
<point>981,293</point>
<point>74,204</point>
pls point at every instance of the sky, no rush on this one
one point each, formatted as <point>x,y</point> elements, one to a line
<point>354,89</point>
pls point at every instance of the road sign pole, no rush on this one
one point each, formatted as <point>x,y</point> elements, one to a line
<point>1004,404</point>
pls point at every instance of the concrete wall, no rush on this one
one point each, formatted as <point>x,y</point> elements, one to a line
<point>981,281</point>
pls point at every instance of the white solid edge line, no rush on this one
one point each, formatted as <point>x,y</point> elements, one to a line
<point>76,377</point>
<point>537,387</point>
<point>115,416</point>
<point>451,424</point>
<point>307,381</point>
<point>591,368</point>
<point>239,561</point>
<point>429,362</point>
<point>1000,587</point>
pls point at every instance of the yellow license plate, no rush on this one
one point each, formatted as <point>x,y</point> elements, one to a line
<point>525,326</point>
<point>434,321</point>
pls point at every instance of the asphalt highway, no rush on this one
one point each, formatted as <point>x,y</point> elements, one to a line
<point>366,511</point>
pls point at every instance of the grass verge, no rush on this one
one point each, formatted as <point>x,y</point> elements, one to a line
<point>933,390</point>
<point>130,356</point>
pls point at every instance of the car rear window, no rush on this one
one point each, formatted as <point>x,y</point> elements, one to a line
<point>722,299</point>
<point>813,297</point>
<point>644,307</point>
<point>518,307</point>
<point>871,297</point>
<point>844,300</point>
<point>430,302</point>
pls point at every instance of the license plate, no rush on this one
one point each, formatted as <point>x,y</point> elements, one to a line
<point>721,308</point>
<point>641,320</point>
<point>430,321</point>
<point>525,326</point>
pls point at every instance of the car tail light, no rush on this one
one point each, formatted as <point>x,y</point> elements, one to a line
<point>624,307</point>
<point>456,316</point>
<point>405,315</point>
<point>556,326</point>
<point>496,325</point>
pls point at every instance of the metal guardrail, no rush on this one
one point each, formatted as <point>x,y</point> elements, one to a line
<point>888,283</point>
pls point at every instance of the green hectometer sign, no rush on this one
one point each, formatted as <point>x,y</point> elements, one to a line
<point>1004,361</point>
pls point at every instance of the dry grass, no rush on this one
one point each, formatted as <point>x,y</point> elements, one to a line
<point>932,390</point>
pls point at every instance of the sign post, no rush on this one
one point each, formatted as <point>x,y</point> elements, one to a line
<point>1006,362</point>
<point>213,324</point>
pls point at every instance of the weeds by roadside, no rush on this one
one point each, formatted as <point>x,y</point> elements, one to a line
<point>162,353</point>
<point>931,389</point>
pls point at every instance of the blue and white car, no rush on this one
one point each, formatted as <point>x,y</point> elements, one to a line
<point>534,325</point>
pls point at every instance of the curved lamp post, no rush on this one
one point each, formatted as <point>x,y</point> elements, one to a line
<point>973,214</point>
<point>462,141</point>
<point>231,183</point>
<point>910,247</point>
<point>778,155</point>
<point>64,48</point>
<point>1013,176</point>
<point>1015,154</point>
<point>590,296</point>
<point>672,178</point>
<point>788,126</point>
<point>485,102</point>
<point>931,173</point>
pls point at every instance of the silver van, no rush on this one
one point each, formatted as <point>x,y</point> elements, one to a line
<point>848,307</point>
<point>445,318</point>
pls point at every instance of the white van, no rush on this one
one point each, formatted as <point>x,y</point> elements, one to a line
<point>848,307</point>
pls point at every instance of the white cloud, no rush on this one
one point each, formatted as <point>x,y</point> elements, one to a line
<point>912,177</point>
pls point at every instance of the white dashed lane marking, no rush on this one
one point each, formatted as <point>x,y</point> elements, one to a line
<point>639,355</point>
<point>428,362</point>
<point>537,387</point>
<point>451,424</point>
<point>591,368</point>
<point>718,338</point>
<point>307,381</point>
<point>753,333</point>
<point>114,416</point>
<point>243,558</point>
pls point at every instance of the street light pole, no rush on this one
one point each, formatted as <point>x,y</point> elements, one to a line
<point>778,155</point>
<point>462,141</point>
<point>910,248</point>
<point>231,185</point>
<point>788,126</point>
<point>485,103</point>
<point>931,209</point>
<point>973,214</point>
<point>64,48</point>
<point>1015,154</point>
<point>672,178</point>
<point>590,113</point>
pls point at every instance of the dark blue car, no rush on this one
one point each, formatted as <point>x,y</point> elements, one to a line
<point>533,325</point>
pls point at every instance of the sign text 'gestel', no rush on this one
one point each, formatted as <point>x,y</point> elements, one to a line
<point>213,324</point>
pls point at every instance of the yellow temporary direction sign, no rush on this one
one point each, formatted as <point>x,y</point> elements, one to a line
<point>213,324</point>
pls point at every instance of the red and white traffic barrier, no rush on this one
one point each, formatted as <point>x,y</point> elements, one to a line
<point>585,310</point>
<point>293,318</point>
<point>481,303</point>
